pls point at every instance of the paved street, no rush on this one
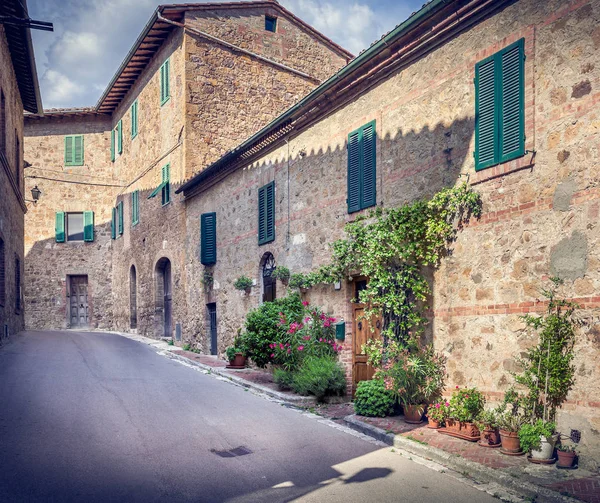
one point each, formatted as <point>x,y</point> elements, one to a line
<point>98,417</point>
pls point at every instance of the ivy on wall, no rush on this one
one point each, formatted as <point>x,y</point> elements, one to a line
<point>394,248</point>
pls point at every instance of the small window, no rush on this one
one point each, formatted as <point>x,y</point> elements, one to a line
<point>75,226</point>
<point>166,184</point>
<point>135,207</point>
<point>271,23</point>
<point>165,91</point>
<point>74,150</point>
<point>17,285</point>
<point>2,274</point>
<point>362,166</point>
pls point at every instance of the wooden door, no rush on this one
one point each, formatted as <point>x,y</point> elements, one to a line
<point>132,298</point>
<point>212,314</point>
<point>168,300</point>
<point>78,309</point>
<point>362,332</point>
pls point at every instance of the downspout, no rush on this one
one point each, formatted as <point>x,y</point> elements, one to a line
<point>238,49</point>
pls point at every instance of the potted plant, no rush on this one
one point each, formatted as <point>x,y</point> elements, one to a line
<point>465,406</point>
<point>566,456</point>
<point>487,424</point>
<point>281,273</point>
<point>208,279</point>
<point>538,439</point>
<point>243,283</point>
<point>437,414</point>
<point>236,355</point>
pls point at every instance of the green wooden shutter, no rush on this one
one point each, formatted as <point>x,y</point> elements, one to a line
<point>135,207</point>
<point>120,137</point>
<point>486,120</point>
<point>69,151</point>
<point>88,226</point>
<point>164,82</point>
<point>354,171</point>
<point>112,145</point>
<point>134,119</point>
<point>113,224</point>
<point>120,215</point>
<point>262,215</point>
<point>166,189</point>
<point>208,238</point>
<point>270,210</point>
<point>512,117</point>
<point>369,166</point>
<point>78,150</point>
<point>60,227</point>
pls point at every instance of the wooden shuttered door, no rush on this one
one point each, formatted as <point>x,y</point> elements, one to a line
<point>499,107</point>
<point>88,226</point>
<point>59,227</point>
<point>362,168</point>
<point>208,238</point>
<point>266,213</point>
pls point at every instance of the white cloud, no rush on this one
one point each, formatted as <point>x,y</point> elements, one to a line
<point>60,89</point>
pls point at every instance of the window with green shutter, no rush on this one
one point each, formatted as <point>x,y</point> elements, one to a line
<point>165,92</point>
<point>135,207</point>
<point>74,150</point>
<point>120,216</point>
<point>113,224</point>
<point>208,238</point>
<point>266,213</point>
<point>500,106</point>
<point>166,185</point>
<point>88,226</point>
<point>59,227</point>
<point>120,137</point>
<point>362,168</point>
<point>134,119</point>
<point>112,145</point>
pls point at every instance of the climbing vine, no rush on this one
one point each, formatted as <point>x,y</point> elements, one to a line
<point>395,248</point>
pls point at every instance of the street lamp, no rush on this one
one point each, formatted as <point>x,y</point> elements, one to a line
<point>35,193</point>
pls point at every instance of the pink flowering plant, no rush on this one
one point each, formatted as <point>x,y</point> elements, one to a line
<point>439,411</point>
<point>466,404</point>
<point>312,336</point>
<point>415,373</point>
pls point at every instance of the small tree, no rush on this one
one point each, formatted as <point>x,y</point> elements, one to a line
<point>548,370</point>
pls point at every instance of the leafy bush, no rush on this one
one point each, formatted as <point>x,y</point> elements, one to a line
<point>284,378</point>
<point>263,327</point>
<point>242,283</point>
<point>530,434</point>
<point>466,404</point>
<point>281,273</point>
<point>319,376</point>
<point>439,411</point>
<point>300,280</point>
<point>373,400</point>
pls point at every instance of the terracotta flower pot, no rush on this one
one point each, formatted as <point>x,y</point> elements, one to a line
<point>490,436</point>
<point>413,413</point>
<point>469,429</point>
<point>239,362</point>
<point>453,425</point>
<point>433,424</point>
<point>510,441</point>
<point>566,459</point>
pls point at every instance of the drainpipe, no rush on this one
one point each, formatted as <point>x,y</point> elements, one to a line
<point>238,49</point>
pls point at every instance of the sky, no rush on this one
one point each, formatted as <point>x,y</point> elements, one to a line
<point>92,37</point>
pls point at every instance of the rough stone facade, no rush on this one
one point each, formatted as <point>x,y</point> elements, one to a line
<point>540,211</point>
<point>218,97</point>
<point>12,204</point>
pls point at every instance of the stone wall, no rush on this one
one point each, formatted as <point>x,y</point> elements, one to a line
<point>11,188</point>
<point>539,217</point>
<point>91,187</point>
<point>230,95</point>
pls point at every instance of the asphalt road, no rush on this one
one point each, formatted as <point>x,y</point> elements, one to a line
<point>98,417</point>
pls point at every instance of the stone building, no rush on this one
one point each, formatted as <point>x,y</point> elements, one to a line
<point>503,94</point>
<point>104,247</point>
<point>18,92</point>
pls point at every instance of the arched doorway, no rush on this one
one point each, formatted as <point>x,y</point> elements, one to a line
<point>268,281</point>
<point>132,297</point>
<point>162,311</point>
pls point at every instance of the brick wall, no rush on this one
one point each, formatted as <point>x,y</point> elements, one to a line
<point>11,188</point>
<point>539,215</point>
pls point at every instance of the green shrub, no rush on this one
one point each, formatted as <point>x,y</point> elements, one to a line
<point>283,378</point>
<point>320,376</point>
<point>530,434</point>
<point>242,283</point>
<point>373,400</point>
<point>264,327</point>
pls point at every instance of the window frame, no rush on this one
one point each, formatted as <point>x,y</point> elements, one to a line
<point>270,21</point>
<point>66,226</point>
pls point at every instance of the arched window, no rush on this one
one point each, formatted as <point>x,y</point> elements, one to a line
<point>268,281</point>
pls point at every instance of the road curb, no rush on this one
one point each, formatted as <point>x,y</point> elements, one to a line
<point>458,464</point>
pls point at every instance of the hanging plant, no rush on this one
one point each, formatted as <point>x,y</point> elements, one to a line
<point>208,279</point>
<point>281,273</point>
<point>243,283</point>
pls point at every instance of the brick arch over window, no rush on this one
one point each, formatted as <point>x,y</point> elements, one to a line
<point>268,282</point>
